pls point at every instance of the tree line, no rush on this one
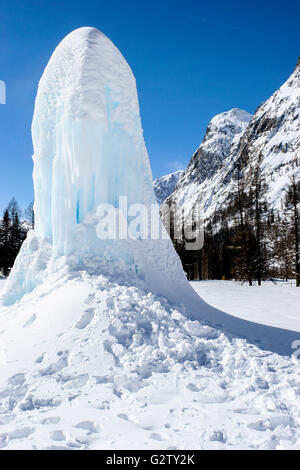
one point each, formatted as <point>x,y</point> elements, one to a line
<point>248,240</point>
<point>13,230</point>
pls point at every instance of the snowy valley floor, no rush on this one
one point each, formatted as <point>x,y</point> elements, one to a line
<point>87,363</point>
<point>270,304</point>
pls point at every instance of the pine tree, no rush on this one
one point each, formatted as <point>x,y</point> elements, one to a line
<point>5,228</point>
<point>293,199</point>
<point>259,209</point>
<point>14,209</point>
<point>246,261</point>
<point>29,214</point>
<point>280,241</point>
<point>12,236</point>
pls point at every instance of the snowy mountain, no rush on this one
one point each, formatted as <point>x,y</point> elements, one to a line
<point>200,180</point>
<point>165,185</point>
<point>222,134</point>
<point>270,139</point>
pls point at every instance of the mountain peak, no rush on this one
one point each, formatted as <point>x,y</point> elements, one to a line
<point>237,113</point>
<point>222,132</point>
<point>165,185</point>
<point>227,124</point>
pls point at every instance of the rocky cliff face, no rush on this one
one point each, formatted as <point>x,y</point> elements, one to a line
<point>272,140</point>
<point>222,134</point>
<point>235,139</point>
<point>165,186</point>
<point>203,176</point>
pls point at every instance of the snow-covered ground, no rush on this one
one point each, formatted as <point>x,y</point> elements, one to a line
<point>270,304</point>
<point>91,363</point>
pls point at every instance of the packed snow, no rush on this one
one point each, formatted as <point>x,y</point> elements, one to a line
<point>94,364</point>
<point>104,344</point>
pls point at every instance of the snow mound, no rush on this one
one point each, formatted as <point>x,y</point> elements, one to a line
<point>94,363</point>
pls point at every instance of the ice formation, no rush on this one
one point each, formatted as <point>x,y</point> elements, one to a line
<point>89,150</point>
<point>92,358</point>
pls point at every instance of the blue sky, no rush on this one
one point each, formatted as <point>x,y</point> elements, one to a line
<point>191,59</point>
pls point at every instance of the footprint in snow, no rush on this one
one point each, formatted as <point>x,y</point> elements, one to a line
<point>192,387</point>
<point>57,436</point>
<point>31,403</point>
<point>51,420</point>
<point>123,416</point>
<point>243,411</point>
<point>14,391</point>
<point>30,321</point>
<point>87,426</point>
<point>40,359</point>
<point>90,299</point>
<point>271,423</point>
<point>55,367</point>
<point>21,433</point>
<point>77,382</point>
<point>85,320</point>
<point>101,379</point>
<point>155,436</point>
<point>6,419</point>
<point>17,379</point>
<point>217,436</point>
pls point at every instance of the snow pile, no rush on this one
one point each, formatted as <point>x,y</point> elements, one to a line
<point>96,364</point>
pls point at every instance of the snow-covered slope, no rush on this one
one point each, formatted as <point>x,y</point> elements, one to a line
<point>165,185</point>
<point>222,135</point>
<point>273,139</point>
<point>201,180</point>
<point>270,139</point>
